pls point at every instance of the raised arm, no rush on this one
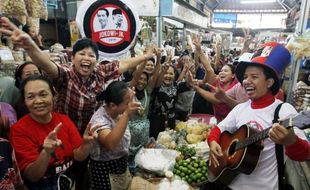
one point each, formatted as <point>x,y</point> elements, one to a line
<point>163,70</point>
<point>210,76</point>
<point>137,73</point>
<point>221,95</point>
<point>133,62</point>
<point>110,138</point>
<point>156,71</point>
<point>209,96</point>
<point>187,64</point>
<point>23,40</point>
<point>247,41</point>
<point>217,53</point>
<point>89,137</point>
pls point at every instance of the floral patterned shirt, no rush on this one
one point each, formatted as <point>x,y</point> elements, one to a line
<point>10,177</point>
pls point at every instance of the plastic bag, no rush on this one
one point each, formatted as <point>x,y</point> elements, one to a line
<point>156,160</point>
<point>167,138</point>
<point>34,23</point>
<point>175,184</point>
<point>13,8</point>
<point>36,9</point>
<point>300,45</point>
<point>21,19</point>
<point>202,150</point>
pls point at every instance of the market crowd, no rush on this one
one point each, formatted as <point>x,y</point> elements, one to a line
<point>81,123</point>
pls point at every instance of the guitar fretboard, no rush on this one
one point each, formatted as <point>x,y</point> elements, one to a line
<point>260,135</point>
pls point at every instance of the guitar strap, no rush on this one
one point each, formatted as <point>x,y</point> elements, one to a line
<point>279,154</point>
<point>279,150</point>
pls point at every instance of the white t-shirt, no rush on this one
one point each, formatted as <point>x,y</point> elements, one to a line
<point>98,152</point>
<point>265,175</point>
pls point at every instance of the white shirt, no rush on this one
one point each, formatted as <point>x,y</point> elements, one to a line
<point>98,152</point>
<point>265,175</point>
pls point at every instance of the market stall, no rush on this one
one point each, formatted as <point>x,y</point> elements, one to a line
<point>21,13</point>
<point>178,157</point>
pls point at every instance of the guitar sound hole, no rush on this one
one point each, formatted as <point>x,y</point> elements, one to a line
<point>232,149</point>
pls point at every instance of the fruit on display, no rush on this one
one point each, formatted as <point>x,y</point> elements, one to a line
<point>181,125</point>
<point>195,131</point>
<point>196,128</point>
<point>191,170</point>
<point>193,138</point>
<point>186,152</point>
<point>167,139</point>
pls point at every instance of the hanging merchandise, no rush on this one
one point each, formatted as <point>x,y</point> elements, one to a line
<point>300,45</point>
<point>34,23</point>
<point>306,102</point>
<point>16,9</point>
<point>21,19</point>
<point>112,24</point>
<point>36,8</point>
<point>146,31</point>
<point>74,32</point>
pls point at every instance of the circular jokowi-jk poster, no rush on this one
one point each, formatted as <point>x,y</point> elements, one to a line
<point>112,24</point>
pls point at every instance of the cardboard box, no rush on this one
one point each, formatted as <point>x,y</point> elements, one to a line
<point>138,183</point>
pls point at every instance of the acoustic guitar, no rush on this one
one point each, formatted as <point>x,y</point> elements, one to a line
<point>242,149</point>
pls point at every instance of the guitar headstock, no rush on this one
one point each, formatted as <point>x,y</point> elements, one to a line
<point>301,120</point>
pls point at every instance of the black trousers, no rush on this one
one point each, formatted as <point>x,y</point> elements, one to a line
<point>158,123</point>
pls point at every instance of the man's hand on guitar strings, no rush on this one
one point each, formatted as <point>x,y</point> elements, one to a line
<point>281,135</point>
<point>215,152</point>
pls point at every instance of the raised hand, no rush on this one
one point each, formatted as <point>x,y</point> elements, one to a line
<point>150,51</point>
<point>169,56</point>
<point>90,133</point>
<point>51,142</point>
<point>165,67</point>
<point>197,42</point>
<point>158,53</point>
<point>219,93</point>
<point>18,37</point>
<point>133,105</point>
<point>191,81</point>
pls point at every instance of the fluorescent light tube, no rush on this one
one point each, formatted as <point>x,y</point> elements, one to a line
<point>257,1</point>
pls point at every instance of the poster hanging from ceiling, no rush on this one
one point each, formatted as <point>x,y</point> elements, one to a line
<point>112,24</point>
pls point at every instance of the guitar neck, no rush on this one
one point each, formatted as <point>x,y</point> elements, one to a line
<point>260,136</point>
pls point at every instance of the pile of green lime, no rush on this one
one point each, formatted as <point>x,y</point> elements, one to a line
<point>191,170</point>
<point>187,152</point>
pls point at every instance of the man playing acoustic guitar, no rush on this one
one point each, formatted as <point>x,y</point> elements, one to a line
<point>245,153</point>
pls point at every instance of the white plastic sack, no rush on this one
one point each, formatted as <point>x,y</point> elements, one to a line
<point>175,184</point>
<point>156,160</point>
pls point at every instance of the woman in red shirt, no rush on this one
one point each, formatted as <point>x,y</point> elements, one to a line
<point>46,142</point>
